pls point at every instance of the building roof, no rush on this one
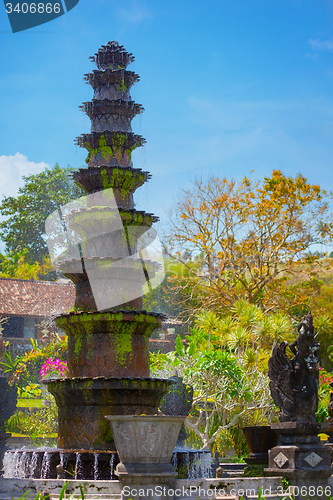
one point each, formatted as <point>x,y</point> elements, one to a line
<point>35,298</point>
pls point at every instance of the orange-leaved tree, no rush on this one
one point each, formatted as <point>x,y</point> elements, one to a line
<point>254,238</point>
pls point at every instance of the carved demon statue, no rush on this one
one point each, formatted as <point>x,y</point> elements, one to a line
<point>294,383</point>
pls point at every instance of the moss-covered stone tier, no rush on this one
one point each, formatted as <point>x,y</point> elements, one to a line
<point>110,148</point>
<point>88,221</point>
<point>109,344</point>
<point>123,80</point>
<point>123,181</point>
<point>84,402</point>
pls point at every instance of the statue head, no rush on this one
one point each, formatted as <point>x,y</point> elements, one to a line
<point>306,327</point>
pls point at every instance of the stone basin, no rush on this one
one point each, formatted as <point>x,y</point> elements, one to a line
<point>145,443</point>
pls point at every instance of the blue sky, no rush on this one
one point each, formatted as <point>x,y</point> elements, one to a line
<point>227,86</point>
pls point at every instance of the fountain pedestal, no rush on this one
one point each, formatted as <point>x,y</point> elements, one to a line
<point>259,439</point>
<point>145,445</point>
<point>299,455</point>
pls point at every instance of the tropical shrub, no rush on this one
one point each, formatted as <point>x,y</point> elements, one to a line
<point>224,391</point>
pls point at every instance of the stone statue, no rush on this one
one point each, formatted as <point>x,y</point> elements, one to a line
<point>294,382</point>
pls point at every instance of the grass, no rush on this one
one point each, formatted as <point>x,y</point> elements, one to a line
<point>29,403</point>
<point>46,436</point>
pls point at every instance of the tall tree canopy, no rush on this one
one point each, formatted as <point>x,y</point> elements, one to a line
<point>254,237</point>
<point>24,228</point>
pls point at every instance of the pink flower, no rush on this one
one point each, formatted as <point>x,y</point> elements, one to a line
<point>53,368</point>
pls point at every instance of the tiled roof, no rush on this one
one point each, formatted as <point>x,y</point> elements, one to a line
<point>35,298</point>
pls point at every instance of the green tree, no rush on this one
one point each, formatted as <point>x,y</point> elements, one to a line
<point>226,393</point>
<point>246,331</point>
<point>24,227</point>
<point>16,266</point>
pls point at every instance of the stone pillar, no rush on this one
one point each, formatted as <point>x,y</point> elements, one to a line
<point>300,457</point>
<point>8,399</point>
<point>146,481</point>
<point>260,439</point>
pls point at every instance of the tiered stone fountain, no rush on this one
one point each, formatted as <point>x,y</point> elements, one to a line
<point>103,242</point>
<point>108,357</point>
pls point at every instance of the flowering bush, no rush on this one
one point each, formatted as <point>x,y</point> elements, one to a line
<point>27,367</point>
<point>325,379</point>
<point>53,368</point>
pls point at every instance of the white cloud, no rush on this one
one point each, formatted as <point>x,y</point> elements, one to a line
<point>11,170</point>
<point>318,45</point>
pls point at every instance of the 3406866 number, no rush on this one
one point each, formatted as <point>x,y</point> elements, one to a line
<point>33,8</point>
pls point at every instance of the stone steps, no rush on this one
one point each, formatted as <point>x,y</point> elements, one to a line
<point>111,490</point>
<point>116,496</point>
<point>93,496</point>
<point>87,496</point>
<point>273,496</point>
<point>96,496</point>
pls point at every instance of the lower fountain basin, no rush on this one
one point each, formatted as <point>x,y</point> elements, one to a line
<point>92,464</point>
<point>84,402</point>
<point>145,439</point>
<point>76,464</point>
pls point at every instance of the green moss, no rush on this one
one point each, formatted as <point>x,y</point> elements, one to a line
<point>104,433</point>
<point>104,175</point>
<point>105,150</point>
<point>124,180</point>
<point>118,142</point>
<point>89,383</point>
<point>78,345</point>
<point>91,151</point>
<point>123,348</point>
<point>122,86</point>
<point>117,147</point>
<point>130,150</point>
